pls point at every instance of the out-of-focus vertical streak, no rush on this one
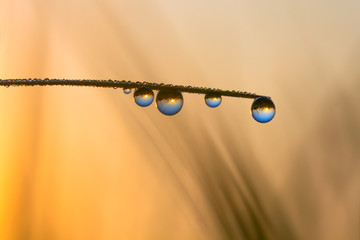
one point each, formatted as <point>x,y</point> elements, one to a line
<point>126,38</point>
<point>31,62</point>
<point>148,40</point>
<point>38,52</point>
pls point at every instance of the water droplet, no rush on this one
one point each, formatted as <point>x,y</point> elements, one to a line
<point>127,90</point>
<point>143,96</point>
<point>212,100</point>
<point>169,102</point>
<point>263,109</point>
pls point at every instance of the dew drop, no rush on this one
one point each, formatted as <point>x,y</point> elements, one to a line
<point>212,100</point>
<point>143,96</point>
<point>263,109</point>
<point>169,102</point>
<point>127,90</point>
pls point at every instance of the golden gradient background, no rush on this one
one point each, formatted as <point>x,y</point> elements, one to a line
<point>86,163</point>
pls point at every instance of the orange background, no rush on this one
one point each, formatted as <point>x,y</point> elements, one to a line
<point>87,163</point>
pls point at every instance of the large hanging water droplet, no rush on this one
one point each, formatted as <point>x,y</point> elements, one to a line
<point>143,96</point>
<point>263,109</point>
<point>212,100</point>
<point>127,90</point>
<point>169,102</point>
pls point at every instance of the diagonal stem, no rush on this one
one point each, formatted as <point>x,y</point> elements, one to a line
<point>124,84</point>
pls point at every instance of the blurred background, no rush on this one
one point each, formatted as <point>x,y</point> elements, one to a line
<point>88,163</point>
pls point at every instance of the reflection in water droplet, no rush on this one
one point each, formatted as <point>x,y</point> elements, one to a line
<point>263,109</point>
<point>143,96</point>
<point>169,102</point>
<point>127,90</point>
<point>212,99</point>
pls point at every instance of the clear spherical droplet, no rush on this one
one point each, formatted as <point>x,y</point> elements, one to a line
<point>263,109</point>
<point>212,100</point>
<point>127,90</point>
<point>169,102</point>
<point>143,96</point>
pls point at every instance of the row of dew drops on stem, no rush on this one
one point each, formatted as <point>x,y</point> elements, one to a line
<point>170,102</point>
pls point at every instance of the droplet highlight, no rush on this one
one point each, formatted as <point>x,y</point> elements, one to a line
<point>143,96</point>
<point>263,109</point>
<point>127,90</point>
<point>213,100</point>
<point>169,102</point>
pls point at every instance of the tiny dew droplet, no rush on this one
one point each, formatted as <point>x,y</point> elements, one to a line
<point>213,100</point>
<point>143,96</point>
<point>263,109</point>
<point>127,90</point>
<point>169,102</point>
